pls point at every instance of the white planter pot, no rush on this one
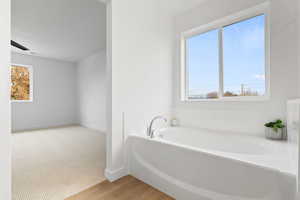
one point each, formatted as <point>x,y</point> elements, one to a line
<point>280,134</point>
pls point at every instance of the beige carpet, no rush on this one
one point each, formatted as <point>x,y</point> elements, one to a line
<point>53,164</point>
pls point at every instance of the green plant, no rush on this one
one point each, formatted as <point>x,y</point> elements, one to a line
<point>278,124</point>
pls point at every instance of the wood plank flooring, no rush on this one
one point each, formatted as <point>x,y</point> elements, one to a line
<point>127,188</point>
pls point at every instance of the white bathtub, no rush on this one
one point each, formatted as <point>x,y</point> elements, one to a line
<point>191,164</point>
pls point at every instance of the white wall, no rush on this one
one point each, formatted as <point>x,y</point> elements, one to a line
<point>5,152</point>
<point>292,112</point>
<point>247,117</point>
<point>54,95</point>
<point>140,71</point>
<point>92,91</point>
<point>298,18</point>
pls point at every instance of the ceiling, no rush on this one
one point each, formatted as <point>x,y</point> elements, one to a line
<point>180,6</point>
<point>67,30</point>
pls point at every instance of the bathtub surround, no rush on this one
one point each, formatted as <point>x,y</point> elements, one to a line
<point>251,116</point>
<point>54,95</point>
<point>209,159</point>
<point>91,83</point>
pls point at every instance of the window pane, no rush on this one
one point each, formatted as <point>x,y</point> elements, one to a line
<point>203,66</point>
<point>20,83</point>
<point>244,58</point>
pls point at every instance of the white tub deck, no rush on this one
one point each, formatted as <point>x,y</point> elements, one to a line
<point>252,149</point>
<point>199,164</point>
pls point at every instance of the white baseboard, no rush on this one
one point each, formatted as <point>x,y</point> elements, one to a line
<point>93,128</point>
<point>45,128</point>
<point>113,175</point>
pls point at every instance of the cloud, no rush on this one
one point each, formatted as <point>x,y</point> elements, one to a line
<point>259,76</point>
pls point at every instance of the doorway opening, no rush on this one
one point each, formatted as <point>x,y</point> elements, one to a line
<point>58,93</point>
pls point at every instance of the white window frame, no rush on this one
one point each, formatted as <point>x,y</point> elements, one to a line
<point>30,69</point>
<point>262,9</point>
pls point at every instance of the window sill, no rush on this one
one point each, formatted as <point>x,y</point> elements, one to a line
<point>230,99</point>
<point>21,101</point>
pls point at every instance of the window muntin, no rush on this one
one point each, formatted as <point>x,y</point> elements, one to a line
<point>240,78</point>
<point>21,83</point>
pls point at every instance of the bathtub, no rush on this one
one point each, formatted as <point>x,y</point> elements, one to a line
<point>194,164</point>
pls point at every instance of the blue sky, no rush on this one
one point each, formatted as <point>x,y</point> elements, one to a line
<point>244,58</point>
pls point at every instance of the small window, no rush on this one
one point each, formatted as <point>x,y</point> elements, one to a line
<point>228,62</point>
<point>21,83</point>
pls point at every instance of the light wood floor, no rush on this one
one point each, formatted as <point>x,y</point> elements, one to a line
<point>127,188</point>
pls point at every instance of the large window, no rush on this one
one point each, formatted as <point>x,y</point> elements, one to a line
<point>21,83</point>
<point>227,62</point>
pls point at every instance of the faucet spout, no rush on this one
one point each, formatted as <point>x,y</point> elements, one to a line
<point>150,130</point>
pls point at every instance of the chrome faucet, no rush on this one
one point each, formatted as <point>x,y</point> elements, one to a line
<point>150,131</point>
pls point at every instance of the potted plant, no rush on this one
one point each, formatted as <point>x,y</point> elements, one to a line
<point>275,130</point>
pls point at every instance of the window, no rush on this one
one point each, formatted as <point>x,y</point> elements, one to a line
<point>228,61</point>
<point>203,65</point>
<point>21,83</point>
